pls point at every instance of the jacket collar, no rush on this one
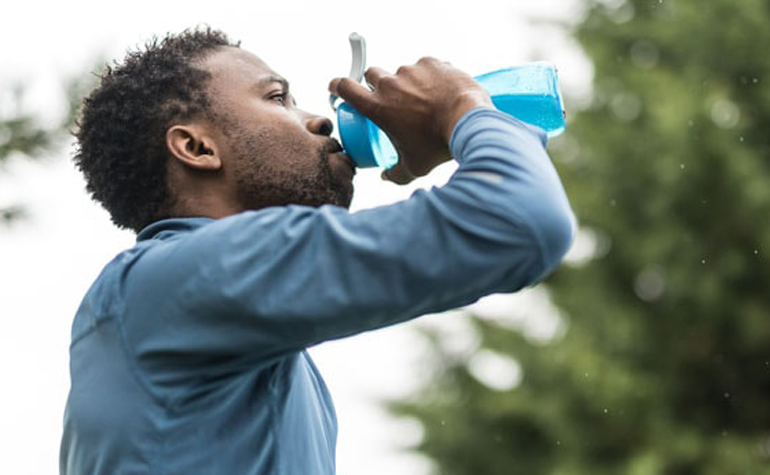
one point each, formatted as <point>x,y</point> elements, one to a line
<point>167,228</point>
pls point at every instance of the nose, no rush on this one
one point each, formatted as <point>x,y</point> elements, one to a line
<point>319,125</point>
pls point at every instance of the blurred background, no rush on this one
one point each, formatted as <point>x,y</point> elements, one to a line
<point>647,352</point>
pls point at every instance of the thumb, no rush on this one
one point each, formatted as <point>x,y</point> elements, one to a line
<point>357,95</point>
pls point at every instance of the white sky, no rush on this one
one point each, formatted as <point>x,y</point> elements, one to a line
<point>47,263</point>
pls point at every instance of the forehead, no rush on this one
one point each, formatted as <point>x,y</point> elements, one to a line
<point>234,68</point>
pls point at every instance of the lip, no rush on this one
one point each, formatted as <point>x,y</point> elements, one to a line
<point>333,146</point>
<point>346,158</point>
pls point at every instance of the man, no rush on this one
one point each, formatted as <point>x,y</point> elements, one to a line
<point>188,352</point>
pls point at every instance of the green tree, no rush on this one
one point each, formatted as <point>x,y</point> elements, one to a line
<point>24,134</point>
<point>664,366</point>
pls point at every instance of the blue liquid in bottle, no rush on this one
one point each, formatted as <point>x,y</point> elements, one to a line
<point>529,93</point>
<point>540,110</point>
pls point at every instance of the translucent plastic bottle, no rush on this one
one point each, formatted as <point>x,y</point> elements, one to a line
<point>529,93</point>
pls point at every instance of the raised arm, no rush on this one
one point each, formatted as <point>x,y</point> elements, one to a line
<point>267,282</point>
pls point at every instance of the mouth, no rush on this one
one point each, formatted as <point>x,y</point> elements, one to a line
<point>333,147</point>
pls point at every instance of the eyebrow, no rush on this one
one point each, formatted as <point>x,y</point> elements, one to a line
<point>273,79</point>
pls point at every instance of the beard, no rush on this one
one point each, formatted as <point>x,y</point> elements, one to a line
<point>261,185</point>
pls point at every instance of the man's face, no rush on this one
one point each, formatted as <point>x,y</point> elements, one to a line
<point>273,153</point>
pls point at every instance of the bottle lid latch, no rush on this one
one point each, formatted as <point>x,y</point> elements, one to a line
<point>357,65</point>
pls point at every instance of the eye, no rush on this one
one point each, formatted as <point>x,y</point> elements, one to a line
<point>280,98</point>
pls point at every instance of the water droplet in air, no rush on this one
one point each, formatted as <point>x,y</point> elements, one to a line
<point>681,165</point>
<point>703,261</point>
<point>740,138</point>
<point>606,410</point>
<point>650,284</point>
<point>727,395</point>
<point>725,113</point>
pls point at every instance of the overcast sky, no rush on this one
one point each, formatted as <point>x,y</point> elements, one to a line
<point>48,262</point>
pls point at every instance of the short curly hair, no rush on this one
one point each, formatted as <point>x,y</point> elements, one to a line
<point>121,146</point>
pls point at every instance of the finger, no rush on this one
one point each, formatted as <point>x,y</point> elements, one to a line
<point>430,60</point>
<point>357,95</point>
<point>374,74</point>
<point>398,174</point>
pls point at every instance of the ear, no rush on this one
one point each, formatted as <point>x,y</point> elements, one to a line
<point>194,147</point>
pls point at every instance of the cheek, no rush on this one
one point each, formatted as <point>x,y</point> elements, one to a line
<point>277,141</point>
<point>294,147</point>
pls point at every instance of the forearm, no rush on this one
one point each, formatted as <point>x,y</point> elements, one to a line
<point>501,223</point>
<point>505,169</point>
<point>285,278</point>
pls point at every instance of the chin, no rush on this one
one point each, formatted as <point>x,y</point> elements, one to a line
<point>345,196</point>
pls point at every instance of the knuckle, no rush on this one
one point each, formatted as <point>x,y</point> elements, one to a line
<point>428,60</point>
<point>343,85</point>
<point>371,76</point>
<point>387,82</point>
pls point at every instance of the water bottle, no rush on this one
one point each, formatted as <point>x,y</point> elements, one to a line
<point>529,93</point>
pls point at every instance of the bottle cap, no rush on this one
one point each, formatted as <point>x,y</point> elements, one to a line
<point>357,64</point>
<point>363,141</point>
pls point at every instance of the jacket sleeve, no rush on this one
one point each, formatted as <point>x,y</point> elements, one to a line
<point>277,280</point>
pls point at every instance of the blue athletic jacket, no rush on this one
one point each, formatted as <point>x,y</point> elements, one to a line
<point>188,352</point>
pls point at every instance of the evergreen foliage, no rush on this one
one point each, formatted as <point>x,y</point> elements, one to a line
<point>26,135</point>
<point>664,366</point>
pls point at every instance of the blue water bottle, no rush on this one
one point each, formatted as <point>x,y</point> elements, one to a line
<point>529,93</point>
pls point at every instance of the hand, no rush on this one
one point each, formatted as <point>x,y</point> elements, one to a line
<point>417,108</point>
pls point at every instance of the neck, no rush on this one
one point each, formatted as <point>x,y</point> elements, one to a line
<point>201,194</point>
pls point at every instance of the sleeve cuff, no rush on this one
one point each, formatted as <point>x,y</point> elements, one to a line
<point>463,129</point>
